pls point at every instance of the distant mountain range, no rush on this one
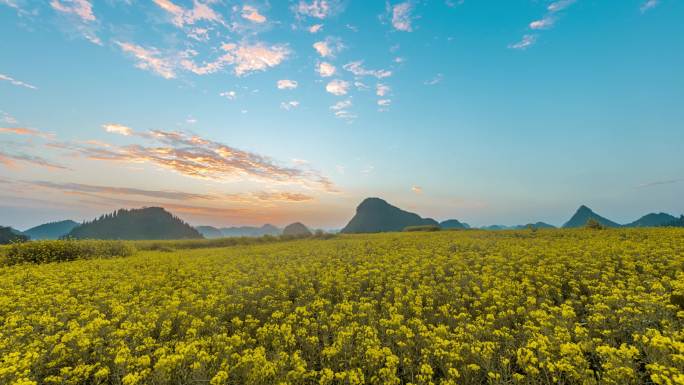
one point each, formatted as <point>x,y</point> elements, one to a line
<point>145,223</point>
<point>52,230</point>
<point>374,215</point>
<point>243,231</point>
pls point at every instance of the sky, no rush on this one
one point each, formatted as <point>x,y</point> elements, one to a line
<point>250,112</point>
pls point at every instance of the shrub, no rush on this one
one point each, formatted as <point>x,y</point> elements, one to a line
<point>423,228</point>
<point>594,224</point>
<point>65,250</point>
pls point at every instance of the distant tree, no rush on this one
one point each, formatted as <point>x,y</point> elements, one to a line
<point>594,224</point>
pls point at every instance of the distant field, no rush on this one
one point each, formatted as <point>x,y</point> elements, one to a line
<point>461,307</point>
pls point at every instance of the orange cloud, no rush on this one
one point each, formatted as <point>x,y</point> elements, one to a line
<point>25,131</point>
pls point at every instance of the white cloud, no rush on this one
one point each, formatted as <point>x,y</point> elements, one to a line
<point>319,9</point>
<point>16,82</point>
<point>560,5</point>
<point>81,8</point>
<point>230,95</point>
<point>526,42</point>
<point>356,67</point>
<point>337,87</point>
<point>417,189</point>
<point>118,129</point>
<point>401,16</point>
<point>256,57</point>
<point>315,28</point>
<point>435,80</point>
<point>545,23</point>
<point>149,59</point>
<point>341,105</point>
<point>252,14</point>
<point>325,69</point>
<point>384,102</point>
<point>649,4</point>
<point>286,84</point>
<point>7,118</point>
<point>329,47</point>
<point>292,104</point>
<point>181,16</point>
<point>382,89</point>
<point>341,110</point>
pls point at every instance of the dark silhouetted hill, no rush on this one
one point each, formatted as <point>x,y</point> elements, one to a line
<point>296,229</point>
<point>250,231</point>
<point>209,232</point>
<point>453,224</point>
<point>146,223</point>
<point>52,230</point>
<point>583,215</point>
<point>9,235</point>
<point>374,215</point>
<point>653,220</point>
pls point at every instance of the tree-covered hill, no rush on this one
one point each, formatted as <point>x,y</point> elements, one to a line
<point>145,223</point>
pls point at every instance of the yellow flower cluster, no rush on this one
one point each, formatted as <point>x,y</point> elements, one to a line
<point>442,308</point>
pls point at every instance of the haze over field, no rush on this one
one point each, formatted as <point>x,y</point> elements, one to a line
<point>246,113</point>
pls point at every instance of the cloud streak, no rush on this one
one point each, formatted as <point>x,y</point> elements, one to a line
<point>16,82</point>
<point>197,157</point>
<point>10,160</point>
<point>25,131</point>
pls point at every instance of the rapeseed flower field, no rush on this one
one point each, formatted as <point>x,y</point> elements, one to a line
<point>470,307</point>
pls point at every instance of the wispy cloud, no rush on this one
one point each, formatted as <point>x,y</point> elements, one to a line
<point>337,87</point>
<point>435,80</point>
<point>78,187</point>
<point>328,47</point>
<point>7,118</point>
<point>16,82</point>
<point>315,28</point>
<point>526,42</point>
<point>649,4</point>
<point>194,156</point>
<point>560,5</point>
<point>80,8</point>
<point>417,189</point>
<point>10,160</point>
<point>230,95</point>
<point>292,104</point>
<point>282,196</point>
<point>319,9</point>
<point>286,84</point>
<point>382,89</point>
<point>545,23</point>
<point>181,16</point>
<point>25,131</point>
<point>660,183</point>
<point>325,70</point>
<point>356,67</point>
<point>149,59</point>
<point>341,110</point>
<point>402,16</point>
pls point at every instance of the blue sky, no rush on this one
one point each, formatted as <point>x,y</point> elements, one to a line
<point>232,113</point>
